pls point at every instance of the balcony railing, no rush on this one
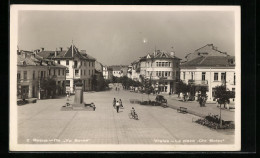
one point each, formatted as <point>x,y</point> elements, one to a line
<point>198,82</point>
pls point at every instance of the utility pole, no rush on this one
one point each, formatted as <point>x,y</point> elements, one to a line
<point>224,101</point>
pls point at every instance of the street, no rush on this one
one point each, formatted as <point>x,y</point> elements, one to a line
<point>44,122</point>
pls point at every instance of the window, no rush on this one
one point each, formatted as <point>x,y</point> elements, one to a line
<point>75,63</point>
<point>68,83</point>
<point>162,64</point>
<point>58,61</point>
<point>54,72</point>
<point>59,72</point>
<point>184,75</point>
<point>192,75</point>
<point>92,64</point>
<point>81,72</point>
<point>80,62</point>
<point>44,73</point>
<point>33,75</point>
<point>25,75</point>
<point>63,72</point>
<point>89,64</point>
<point>49,72</point>
<point>76,72</point>
<point>159,64</point>
<point>169,73</point>
<point>169,64</point>
<point>41,74</point>
<point>159,73</point>
<point>84,72</point>
<point>215,76</point>
<point>234,78</point>
<point>67,62</point>
<point>223,77</point>
<point>203,76</point>
<point>18,76</point>
<point>89,72</point>
<point>166,74</point>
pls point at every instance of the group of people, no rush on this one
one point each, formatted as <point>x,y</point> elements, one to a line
<point>117,104</point>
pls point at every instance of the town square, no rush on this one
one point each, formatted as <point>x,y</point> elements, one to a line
<point>156,125</point>
<point>84,77</point>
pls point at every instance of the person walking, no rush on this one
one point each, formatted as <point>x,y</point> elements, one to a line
<point>121,103</point>
<point>67,96</point>
<point>117,106</point>
<point>114,102</point>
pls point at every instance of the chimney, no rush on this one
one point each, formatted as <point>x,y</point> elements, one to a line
<point>24,54</point>
<point>61,49</point>
<point>55,54</point>
<point>42,49</point>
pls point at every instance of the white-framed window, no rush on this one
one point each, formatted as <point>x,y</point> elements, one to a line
<point>215,76</point>
<point>203,76</point>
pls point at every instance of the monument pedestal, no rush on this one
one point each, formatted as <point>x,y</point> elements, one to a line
<point>78,104</point>
<point>78,100</point>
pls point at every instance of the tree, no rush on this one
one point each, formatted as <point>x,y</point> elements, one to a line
<point>49,86</point>
<point>182,87</point>
<point>148,87</point>
<point>223,96</point>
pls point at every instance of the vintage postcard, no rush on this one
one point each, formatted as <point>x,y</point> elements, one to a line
<point>125,78</point>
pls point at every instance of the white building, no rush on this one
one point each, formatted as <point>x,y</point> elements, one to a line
<point>161,68</point>
<point>119,70</point>
<point>210,71</point>
<point>80,66</point>
<point>107,72</point>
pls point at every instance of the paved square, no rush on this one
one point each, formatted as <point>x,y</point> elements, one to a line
<point>44,122</point>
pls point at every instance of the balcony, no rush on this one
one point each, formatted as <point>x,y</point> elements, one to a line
<point>198,82</point>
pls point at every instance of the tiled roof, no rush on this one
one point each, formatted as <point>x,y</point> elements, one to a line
<point>209,61</point>
<point>65,54</point>
<point>28,61</point>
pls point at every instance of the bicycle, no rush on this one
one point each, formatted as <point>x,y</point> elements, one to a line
<point>133,116</point>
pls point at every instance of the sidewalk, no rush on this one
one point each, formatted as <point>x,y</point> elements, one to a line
<point>194,108</point>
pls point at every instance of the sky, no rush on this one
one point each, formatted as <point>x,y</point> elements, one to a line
<point>115,38</point>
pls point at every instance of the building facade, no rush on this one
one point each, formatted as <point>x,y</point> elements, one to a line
<point>161,68</point>
<point>119,70</point>
<point>209,72</point>
<point>79,66</point>
<point>32,70</point>
<point>107,73</point>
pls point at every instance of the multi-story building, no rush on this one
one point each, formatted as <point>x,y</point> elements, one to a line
<point>135,71</point>
<point>107,73</point>
<point>79,66</point>
<point>209,72</point>
<point>161,68</point>
<point>119,70</point>
<point>32,70</point>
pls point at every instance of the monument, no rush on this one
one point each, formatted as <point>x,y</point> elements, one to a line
<point>79,103</point>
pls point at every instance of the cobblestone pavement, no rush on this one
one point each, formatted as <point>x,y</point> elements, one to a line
<point>44,122</point>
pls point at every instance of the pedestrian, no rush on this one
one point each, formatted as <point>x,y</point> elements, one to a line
<point>114,102</point>
<point>117,106</point>
<point>121,103</point>
<point>67,96</point>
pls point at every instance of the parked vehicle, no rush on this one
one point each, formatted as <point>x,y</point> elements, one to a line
<point>160,99</point>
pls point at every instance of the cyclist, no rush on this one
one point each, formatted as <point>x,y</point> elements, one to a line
<point>133,111</point>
